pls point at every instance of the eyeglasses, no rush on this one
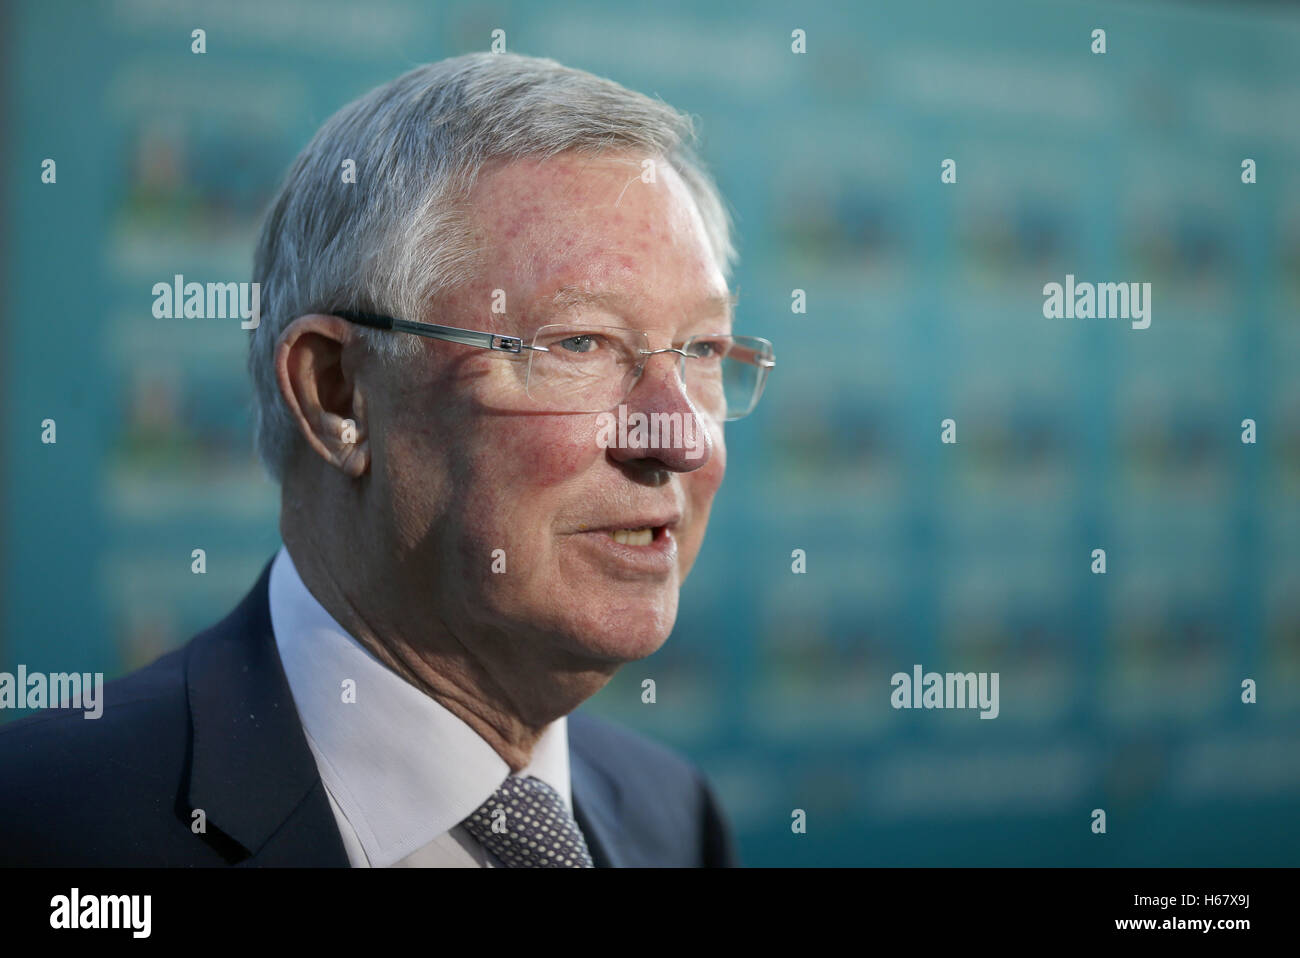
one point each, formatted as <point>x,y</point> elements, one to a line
<point>583,368</point>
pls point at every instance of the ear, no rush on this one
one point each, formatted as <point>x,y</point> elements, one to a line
<point>316,367</point>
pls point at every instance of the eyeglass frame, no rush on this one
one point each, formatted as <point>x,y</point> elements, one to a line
<point>514,344</point>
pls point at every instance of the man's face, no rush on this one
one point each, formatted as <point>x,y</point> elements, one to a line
<point>471,466</point>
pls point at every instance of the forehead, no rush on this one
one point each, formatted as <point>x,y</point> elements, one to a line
<point>572,231</point>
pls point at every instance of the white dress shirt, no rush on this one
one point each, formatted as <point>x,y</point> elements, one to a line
<point>400,770</point>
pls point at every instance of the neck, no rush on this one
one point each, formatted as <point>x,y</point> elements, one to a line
<point>506,686</point>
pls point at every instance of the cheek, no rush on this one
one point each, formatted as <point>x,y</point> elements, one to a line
<point>702,485</point>
<point>717,466</point>
<point>520,477</point>
<point>533,453</point>
<point>525,473</point>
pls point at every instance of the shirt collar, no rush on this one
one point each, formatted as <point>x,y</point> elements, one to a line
<point>402,768</point>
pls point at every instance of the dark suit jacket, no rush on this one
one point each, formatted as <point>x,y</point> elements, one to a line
<point>212,726</point>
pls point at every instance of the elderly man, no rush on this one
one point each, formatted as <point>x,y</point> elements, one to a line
<point>468,277</point>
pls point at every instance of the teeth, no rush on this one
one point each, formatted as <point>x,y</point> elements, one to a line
<point>633,537</point>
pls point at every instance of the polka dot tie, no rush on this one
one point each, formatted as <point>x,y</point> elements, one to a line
<point>527,825</point>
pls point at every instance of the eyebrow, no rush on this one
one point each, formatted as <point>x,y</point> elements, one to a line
<point>568,298</point>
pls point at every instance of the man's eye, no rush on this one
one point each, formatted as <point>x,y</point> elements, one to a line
<point>706,349</point>
<point>579,344</point>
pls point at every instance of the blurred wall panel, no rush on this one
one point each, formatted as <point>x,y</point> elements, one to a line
<point>924,303</point>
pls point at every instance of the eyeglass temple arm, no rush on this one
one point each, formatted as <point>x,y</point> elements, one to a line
<point>451,334</point>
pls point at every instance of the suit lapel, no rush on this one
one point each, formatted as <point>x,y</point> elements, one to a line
<point>596,805</point>
<point>252,772</point>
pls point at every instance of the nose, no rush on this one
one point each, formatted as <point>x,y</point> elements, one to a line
<point>664,431</point>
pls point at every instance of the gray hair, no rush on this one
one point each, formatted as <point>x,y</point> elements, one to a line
<point>399,236</point>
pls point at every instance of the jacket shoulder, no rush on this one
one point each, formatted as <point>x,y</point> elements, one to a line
<point>134,709</point>
<point>83,790</point>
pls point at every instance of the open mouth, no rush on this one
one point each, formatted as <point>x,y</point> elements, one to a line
<point>641,550</point>
<point>636,537</point>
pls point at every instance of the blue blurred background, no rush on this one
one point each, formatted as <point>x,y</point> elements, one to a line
<point>1119,691</point>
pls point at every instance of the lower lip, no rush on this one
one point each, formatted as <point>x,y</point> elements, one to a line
<point>657,559</point>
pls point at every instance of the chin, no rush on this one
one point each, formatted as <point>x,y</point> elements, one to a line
<point>625,631</point>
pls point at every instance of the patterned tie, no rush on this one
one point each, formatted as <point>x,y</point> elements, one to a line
<point>526,824</point>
